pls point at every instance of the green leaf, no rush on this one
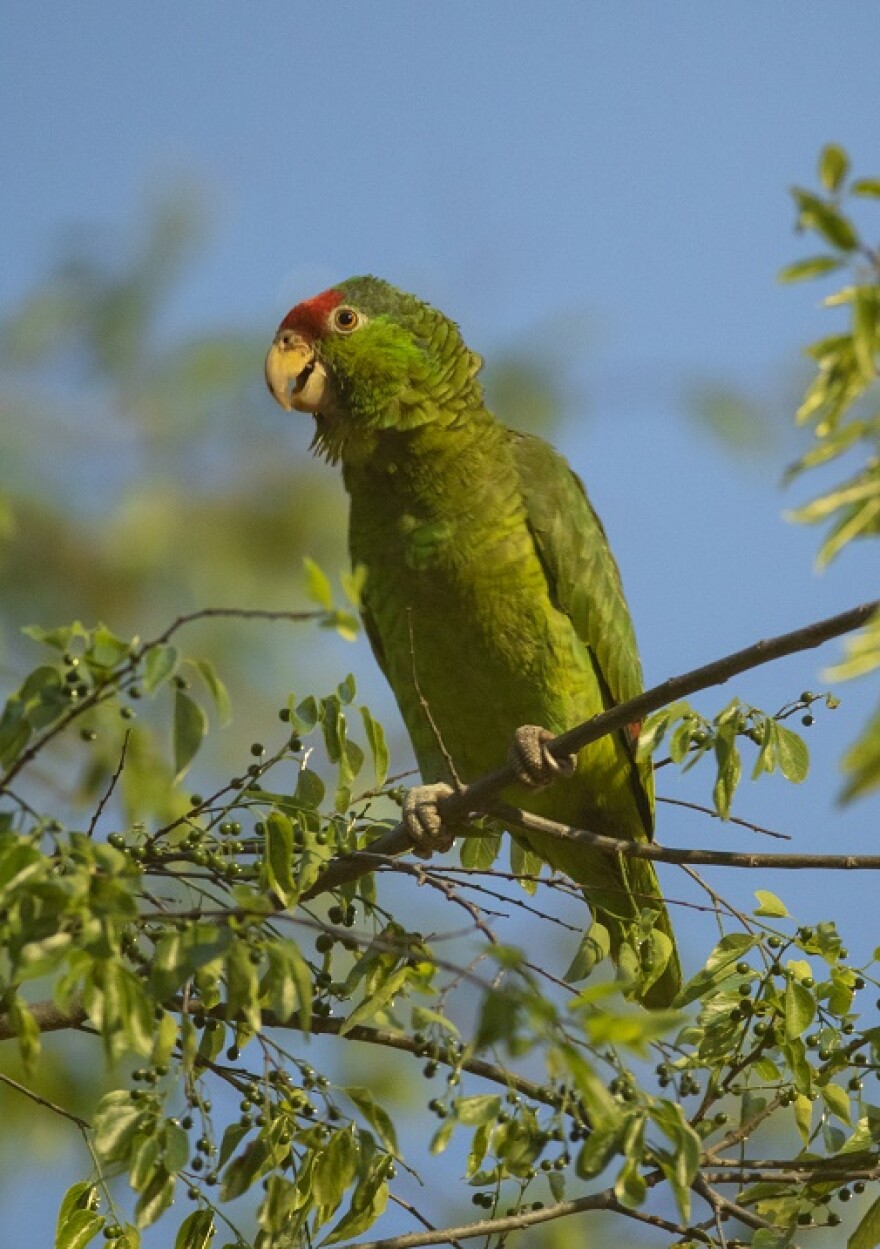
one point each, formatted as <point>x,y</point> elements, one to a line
<point>597,1151</point>
<point>155,1198</point>
<point>310,789</point>
<point>278,856</point>
<point>368,1201</point>
<point>60,639</point>
<point>603,1109</point>
<point>525,863</point>
<point>866,340</point>
<point>718,966</point>
<point>115,1124</point>
<point>190,727</point>
<point>480,852</point>
<point>862,762</point>
<point>772,1238</point>
<point>347,690</point>
<point>77,1221</point>
<point>318,584</point>
<point>800,1009</point>
<point>242,987</point>
<point>27,1030</point>
<point>630,1188</point>
<point>106,649</point>
<point>866,186</point>
<point>867,1234</point>
<point>353,583</point>
<point>481,1108</point>
<point>382,994</point>
<point>145,1160</point>
<point>635,1031</point>
<point>770,905</point>
<point>217,690</point>
<point>498,1019</point>
<point>377,1118</point>
<point>335,1168</point>
<point>196,1231</point>
<point>812,267</point>
<point>343,622</point>
<point>833,166</point>
<point>816,214</point>
<point>729,770</point>
<point>287,985</point>
<point>556,1180</point>
<point>160,663</point>
<point>837,1101</point>
<point>681,1164</point>
<point>803,1116</point>
<point>792,754</point>
<point>595,946</point>
<point>244,1170</point>
<point>378,747</point>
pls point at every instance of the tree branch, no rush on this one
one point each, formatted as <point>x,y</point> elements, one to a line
<point>530,1218</point>
<point>674,854</point>
<point>49,1018</point>
<point>480,794</point>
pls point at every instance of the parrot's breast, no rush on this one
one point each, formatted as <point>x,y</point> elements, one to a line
<point>461,617</point>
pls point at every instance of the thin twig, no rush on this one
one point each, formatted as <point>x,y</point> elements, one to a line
<point>239,613</point>
<point>108,793</point>
<point>729,819</point>
<point>82,1124</point>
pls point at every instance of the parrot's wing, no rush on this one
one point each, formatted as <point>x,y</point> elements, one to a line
<point>584,582</point>
<point>373,637</point>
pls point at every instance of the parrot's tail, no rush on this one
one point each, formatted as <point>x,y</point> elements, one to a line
<point>619,891</point>
<point>638,889</point>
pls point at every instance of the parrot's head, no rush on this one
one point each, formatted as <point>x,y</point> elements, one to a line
<point>365,358</point>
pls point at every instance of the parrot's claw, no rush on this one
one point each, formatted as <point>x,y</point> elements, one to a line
<point>533,763</point>
<point>421,816</point>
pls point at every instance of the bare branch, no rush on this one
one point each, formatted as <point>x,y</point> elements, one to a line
<point>227,613</point>
<point>480,794</point>
<point>674,854</point>
<point>729,819</point>
<point>108,793</point>
<point>48,1017</point>
<point>530,1218</point>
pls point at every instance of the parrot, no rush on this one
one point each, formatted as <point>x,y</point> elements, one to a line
<point>490,596</point>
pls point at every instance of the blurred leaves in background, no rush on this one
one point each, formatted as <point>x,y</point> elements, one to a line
<point>144,473</point>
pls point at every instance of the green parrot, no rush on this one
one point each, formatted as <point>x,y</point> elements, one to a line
<point>491,598</point>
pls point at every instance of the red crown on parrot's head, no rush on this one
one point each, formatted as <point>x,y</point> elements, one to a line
<point>310,317</point>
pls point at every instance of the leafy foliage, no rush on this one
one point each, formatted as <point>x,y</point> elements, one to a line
<point>841,405</point>
<point>196,942</point>
<point>190,945</point>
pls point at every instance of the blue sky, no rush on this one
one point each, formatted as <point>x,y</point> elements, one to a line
<point>513,164</point>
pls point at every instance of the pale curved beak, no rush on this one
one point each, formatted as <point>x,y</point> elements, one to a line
<point>294,375</point>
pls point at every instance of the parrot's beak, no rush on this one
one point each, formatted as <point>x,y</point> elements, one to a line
<point>294,374</point>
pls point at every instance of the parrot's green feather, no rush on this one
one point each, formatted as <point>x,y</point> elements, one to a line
<point>491,596</point>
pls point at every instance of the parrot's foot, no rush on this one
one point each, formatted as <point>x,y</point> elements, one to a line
<point>421,816</point>
<point>533,763</point>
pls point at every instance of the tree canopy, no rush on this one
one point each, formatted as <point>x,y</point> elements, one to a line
<point>246,1003</point>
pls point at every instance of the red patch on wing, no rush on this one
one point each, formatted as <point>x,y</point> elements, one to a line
<point>634,730</point>
<point>310,317</point>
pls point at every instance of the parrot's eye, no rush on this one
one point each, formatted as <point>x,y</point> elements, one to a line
<point>346,319</point>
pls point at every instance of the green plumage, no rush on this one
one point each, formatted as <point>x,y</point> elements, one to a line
<point>491,596</point>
